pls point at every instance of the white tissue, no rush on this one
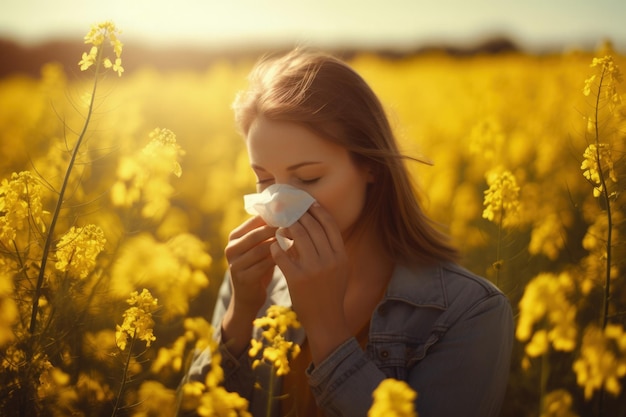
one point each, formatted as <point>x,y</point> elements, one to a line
<point>280,205</point>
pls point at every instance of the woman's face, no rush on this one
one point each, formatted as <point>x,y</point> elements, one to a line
<point>288,153</point>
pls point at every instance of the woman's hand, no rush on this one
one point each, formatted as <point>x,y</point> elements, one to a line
<point>316,269</point>
<point>251,268</point>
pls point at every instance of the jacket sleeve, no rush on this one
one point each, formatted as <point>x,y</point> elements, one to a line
<point>343,383</point>
<point>464,373</point>
<point>238,373</point>
<point>238,376</point>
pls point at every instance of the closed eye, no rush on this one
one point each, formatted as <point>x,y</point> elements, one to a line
<point>309,181</point>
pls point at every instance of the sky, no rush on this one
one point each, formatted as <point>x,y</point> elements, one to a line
<point>534,24</point>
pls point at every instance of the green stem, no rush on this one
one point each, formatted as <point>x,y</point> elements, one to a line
<point>59,204</point>
<point>498,247</point>
<point>543,384</point>
<point>124,379</point>
<point>270,394</point>
<point>609,235</point>
<point>607,201</point>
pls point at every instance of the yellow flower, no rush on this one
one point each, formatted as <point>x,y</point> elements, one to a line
<point>197,331</point>
<point>51,381</point>
<point>218,402</point>
<point>502,198</point>
<point>89,387</point>
<point>547,236</point>
<point>609,76</point>
<point>598,158</point>
<point>144,177</point>
<point>138,321</point>
<point>546,297</point>
<point>278,351</point>
<point>486,139</point>
<point>96,37</point>
<point>602,360</point>
<point>20,201</point>
<point>393,398</point>
<point>78,249</point>
<point>8,307</point>
<point>99,345</point>
<point>117,66</point>
<point>174,270</point>
<point>154,399</point>
<point>210,398</point>
<point>557,404</point>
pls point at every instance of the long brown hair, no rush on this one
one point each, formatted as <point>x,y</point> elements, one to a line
<point>326,95</point>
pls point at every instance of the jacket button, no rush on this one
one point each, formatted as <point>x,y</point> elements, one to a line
<point>382,310</point>
<point>384,354</point>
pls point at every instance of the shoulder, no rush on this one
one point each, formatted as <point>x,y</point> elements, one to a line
<point>421,284</point>
<point>444,286</point>
<point>460,281</point>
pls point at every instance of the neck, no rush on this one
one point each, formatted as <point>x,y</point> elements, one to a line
<point>369,261</point>
<point>367,254</point>
<point>370,271</point>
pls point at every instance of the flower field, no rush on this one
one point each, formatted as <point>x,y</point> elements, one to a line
<point>119,188</point>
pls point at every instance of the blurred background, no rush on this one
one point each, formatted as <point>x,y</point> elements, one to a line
<point>478,87</point>
<point>192,28</point>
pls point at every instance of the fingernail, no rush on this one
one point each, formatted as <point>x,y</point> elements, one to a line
<point>315,204</point>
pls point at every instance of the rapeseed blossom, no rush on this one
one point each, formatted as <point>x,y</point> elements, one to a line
<point>594,240</point>
<point>144,177</point>
<point>557,403</point>
<point>20,202</point>
<point>502,198</point>
<point>197,331</point>
<point>78,249</point>
<point>595,243</point>
<point>210,398</point>
<point>8,307</point>
<point>51,380</point>
<point>546,297</point>
<point>602,360</point>
<point>486,140</point>
<point>154,399</point>
<point>610,76</point>
<point>598,164</point>
<point>278,351</point>
<point>13,358</point>
<point>96,37</point>
<point>89,386</point>
<point>548,236</point>
<point>176,268</point>
<point>393,398</point>
<point>138,322</point>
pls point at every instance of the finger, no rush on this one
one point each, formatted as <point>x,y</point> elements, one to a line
<point>245,260</point>
<point>238,246</point>
<point>302,241</point>
<point>317,234</point>
<point>250,224</point>
<point>257,269</point>
<point>330,226</point>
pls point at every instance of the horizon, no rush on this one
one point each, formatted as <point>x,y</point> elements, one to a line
<point>366,24</point>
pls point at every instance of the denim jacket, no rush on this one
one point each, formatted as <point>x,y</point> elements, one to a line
<point>445,331</point>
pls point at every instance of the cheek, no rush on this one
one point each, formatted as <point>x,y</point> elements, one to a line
<point>344,202</point>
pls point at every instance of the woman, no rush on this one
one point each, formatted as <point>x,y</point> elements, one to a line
<point>374,284</point>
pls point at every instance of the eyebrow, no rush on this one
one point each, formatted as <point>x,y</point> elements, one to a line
<point>289,168</point>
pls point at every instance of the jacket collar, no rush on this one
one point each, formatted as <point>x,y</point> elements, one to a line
<point>418,285</point>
